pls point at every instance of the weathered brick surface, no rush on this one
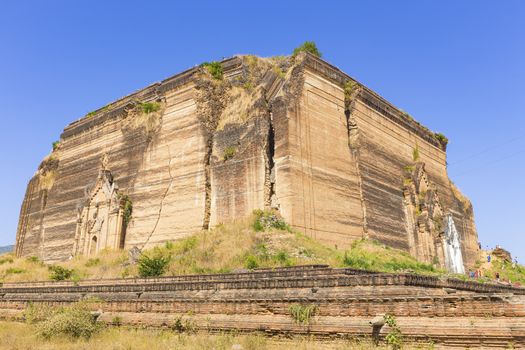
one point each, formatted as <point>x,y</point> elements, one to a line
<point>333,163</point>
<point>452,313</point>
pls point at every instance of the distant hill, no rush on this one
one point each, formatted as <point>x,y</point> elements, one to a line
<point>6,249</point>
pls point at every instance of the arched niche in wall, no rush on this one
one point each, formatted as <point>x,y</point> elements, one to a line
<point>100,222</point>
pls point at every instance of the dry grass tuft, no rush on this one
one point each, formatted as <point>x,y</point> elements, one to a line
<point>145,118</point>
<point>47,170</point>
<point>243,105</point>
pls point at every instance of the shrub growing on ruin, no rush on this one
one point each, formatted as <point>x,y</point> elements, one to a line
<point>357,262</point>
<point>188,244</point>
<point>406,115</point>
<point>267,219</point>
<point>56,145</point>
<point>143,118</point>
<point>394,336</point>
<point>229,152</point>
<point>409,169</point>
<point>127,209</point>
<point>74,322</point>
<point>441,138</point>
<point>186,325</point>
<point>279,71</point>
<point>415,154</point>
<point>283,259</point>
<point>307,46</point>
<point>302,313</point>
<point>349,88</point>
<point>14,271</point>
<point>214,68</point>
<point>59,273</point>
<point>116,321</point>
<point>154,264</point>
<point>36,313</point>
<point>34,259</point>
<point>150,107</point>
<point>93,262</point>
<point>250,262</point>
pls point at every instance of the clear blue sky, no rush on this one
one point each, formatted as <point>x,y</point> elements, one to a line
<point>456,66</point>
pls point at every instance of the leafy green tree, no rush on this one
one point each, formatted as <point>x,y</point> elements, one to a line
<point>153,264</point>
<point>307,46</point>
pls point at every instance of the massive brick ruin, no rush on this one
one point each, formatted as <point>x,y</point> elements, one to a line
<point>294,134</point>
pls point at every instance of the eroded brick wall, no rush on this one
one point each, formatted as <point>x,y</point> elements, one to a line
<point>450,312</point>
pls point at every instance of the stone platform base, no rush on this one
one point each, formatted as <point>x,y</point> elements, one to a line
<point>445,312</point>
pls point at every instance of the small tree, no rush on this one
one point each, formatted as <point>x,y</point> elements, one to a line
<point>394,337</point>
<point>251,262</point>
<point>59,273</point>
<point>154,265</point>
<point>56,145</point>
<point>307,46</point>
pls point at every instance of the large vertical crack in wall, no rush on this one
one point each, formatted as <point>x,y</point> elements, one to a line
<point>270,197</point>
<point>236,116</point>
<point>211,98</point>
<point>269,182</point>
<point>352,91</point>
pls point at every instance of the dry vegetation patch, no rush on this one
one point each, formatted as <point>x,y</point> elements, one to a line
<point>47,170</point>
<point>144,118</point>
<point>23,336</point>
<point>243,104</point>
<point>262,241</point>
<point>107,264</point>
<point>374,256</point>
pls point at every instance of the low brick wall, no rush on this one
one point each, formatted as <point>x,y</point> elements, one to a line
<point>345,299</point>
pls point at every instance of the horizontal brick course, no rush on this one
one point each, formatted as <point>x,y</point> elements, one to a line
<point>345,301</point>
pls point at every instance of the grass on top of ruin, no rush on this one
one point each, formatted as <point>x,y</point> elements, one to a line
<point>261,241</point>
